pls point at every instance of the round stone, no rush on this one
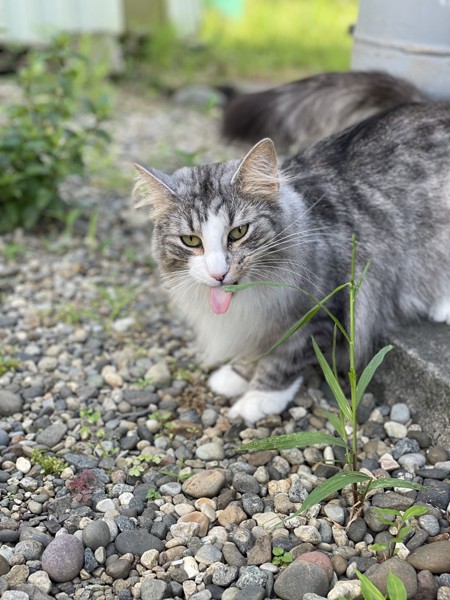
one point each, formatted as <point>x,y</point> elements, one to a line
<point>430,524</point>
<point>378,575</point>
<point>63,558</point>
<point>210,451</point>
<point>400,413</point>
<point>23,465</point>
<point>300,578</point>
<point>119,569</point>
<point>10,403</point>
<point>137,541</point>
<point>96,534</point>
<point>434,557</point>
<point>245,483</point>
<point>204,484</point>
<point>208,554</point>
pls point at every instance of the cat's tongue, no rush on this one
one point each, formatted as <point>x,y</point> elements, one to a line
<point>219,300</point>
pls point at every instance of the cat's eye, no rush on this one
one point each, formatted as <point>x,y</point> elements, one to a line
<point>237,233</point>
<point>193,241</point>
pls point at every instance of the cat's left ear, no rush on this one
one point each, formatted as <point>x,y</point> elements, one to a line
<point>153,189</point>
<point>258,174</point>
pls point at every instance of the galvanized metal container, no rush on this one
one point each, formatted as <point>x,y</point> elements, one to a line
<point>408,38</point>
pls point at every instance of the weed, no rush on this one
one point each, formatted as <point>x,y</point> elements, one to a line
<point>281,557</point>
<point>395,588</point>
<point>8,364</point>
<point>178,471</point>
<point>115,299</point>
<point>51,465</point>
<point>12,250</point>
<point>83,486</point>
<point>152,494</point>
<point>401,523</point>
<point>41,142</point>
<point>360,482</point>
<point>137,463</point>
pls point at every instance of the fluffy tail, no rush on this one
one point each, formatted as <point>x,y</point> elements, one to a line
<point>298,114</point>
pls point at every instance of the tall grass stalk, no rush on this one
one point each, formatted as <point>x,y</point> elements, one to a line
<point>360,482</point>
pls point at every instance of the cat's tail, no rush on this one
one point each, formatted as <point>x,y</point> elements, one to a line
<point>298,114</point>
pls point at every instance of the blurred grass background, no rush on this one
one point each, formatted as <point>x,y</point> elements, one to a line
<point>268,40</point>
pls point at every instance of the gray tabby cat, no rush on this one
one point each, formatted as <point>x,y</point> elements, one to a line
<point>386,179</point>
<point>300,113</point>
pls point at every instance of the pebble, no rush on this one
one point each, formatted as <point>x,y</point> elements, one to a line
<point>434,557</point>
<point>96,534</point>
<point>52,435</point>
<point>298,579</point>
<point>396,431</point>
<point>10,403</point>
<point>63,558</point>
<point>204,484</point>
<point>154,589</point>
<point>137,542</point>
<point>400,413</point>
<point>211,451</point>
<point>378,575</point>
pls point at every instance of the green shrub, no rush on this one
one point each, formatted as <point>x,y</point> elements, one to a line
<point>43,137</point>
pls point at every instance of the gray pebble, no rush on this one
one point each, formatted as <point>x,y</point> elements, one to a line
<point>245,483</point>
<point>154,589</point>
<point>50,436</point>
<point>252,503</point>
<point>405,446</point>
<point>414,460</point>
<point>119,569</point>
<point>10,403</point>
<point>208,554</point>
<point>224,575</point>
<point>430,524</point>
<point>137,542</point>
<point>400,413</point>
<point>251,592</point>
<point>172,488</point>
<point>96,534</point>
<point>210,451</point>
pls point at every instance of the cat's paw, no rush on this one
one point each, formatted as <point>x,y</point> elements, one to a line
<point>226,382</point>
<point>440,311</point>
<point>256,404</point>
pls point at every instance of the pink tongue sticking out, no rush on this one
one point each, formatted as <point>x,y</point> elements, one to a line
<point>219,300</point>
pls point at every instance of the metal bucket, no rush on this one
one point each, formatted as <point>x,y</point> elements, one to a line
<point>408,38</point>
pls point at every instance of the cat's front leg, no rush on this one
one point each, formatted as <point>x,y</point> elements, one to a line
<point>273,387</point>
<point>231,380</point>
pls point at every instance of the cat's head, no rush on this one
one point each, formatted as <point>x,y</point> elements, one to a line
<point>212,224</point>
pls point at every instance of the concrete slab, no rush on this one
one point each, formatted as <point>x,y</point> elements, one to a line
<point>417,372</point>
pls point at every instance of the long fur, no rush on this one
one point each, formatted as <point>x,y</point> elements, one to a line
<point>300,113</point>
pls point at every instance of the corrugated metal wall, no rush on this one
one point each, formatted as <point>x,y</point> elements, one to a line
<point>34,21</point>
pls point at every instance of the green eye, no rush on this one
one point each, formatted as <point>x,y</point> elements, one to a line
<point>237,233</point>
<point>193,241</point>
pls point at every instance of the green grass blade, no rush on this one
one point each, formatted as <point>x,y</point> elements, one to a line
<point>368,589</point>
<point>414,511</point>
<point>292,440</point>
<point>369,372</point>
<point>380,512</point>
<point>393,482</point>
<point>335,421</point>
<point>330,486</point>
<point>335,387</point>
<point>363,276</point>
<point>395,587</point>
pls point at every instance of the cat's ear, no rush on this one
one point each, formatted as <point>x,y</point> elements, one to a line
<point>153,189</point>
<point>258,174</point>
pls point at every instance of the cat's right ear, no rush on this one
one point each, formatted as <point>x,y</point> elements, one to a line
<point>152,190</point>
<point>258,173</point>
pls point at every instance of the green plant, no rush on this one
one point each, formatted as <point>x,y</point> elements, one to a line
<point>115,299</point>
<point>8,364</point>
<point>152,494</point>
<point>51,465</point>
<point>137,463</point>
<point>281,557</point>
<point>360,482</point>
<point>176,471</point>
<point>42,141</point>
<point>401,523</point>
<point>12,250</point>
<point>83,486</point>
<point>395,588</point>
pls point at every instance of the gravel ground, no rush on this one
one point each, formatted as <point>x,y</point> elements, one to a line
<point>145,495</point>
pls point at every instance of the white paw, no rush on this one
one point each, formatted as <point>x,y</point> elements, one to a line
<point>256,404</point>
<point>227,382</point>
<point>440,311</point>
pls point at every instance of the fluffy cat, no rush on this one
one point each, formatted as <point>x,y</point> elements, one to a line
<point>300,113</point>
<point>386,179</point>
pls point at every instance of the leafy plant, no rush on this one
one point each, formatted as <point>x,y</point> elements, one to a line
<point>43,140</point>
<point>401,523</point>
<point>152,494</point>
<point>83,486</point>
<point>51,465</point>
<point>137,463</point>
<point>12,250</point>
<point>347,416</point>
<point>395,588</point>
<point>8,364</point>
<point>281,557</point>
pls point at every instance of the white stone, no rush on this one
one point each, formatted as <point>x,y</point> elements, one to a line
<point>41,580</point>
<point>350,590</point>
<point>23,465</point>
<point>395,430</point>
<point>150,558</point>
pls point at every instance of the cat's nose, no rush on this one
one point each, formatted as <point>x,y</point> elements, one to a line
<point>218,276</point>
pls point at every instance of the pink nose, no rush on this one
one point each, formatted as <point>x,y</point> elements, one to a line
<point>218,276</point>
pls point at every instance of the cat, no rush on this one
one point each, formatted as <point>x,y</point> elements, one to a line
<point>300,113</point>
<point>385,179</point>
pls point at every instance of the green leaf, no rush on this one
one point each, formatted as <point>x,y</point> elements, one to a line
<point>378,547</point>
<point>391,512</point>
<point>376,484</point>
<point>369,372</point>
<point>335,421</point>
<point>277,551</point>
<point>292,440</point>
<point>414,511</point>
<point>368,589</point>
<point>335,387</point>
<point>330,486</point>
<point>395,587</point>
